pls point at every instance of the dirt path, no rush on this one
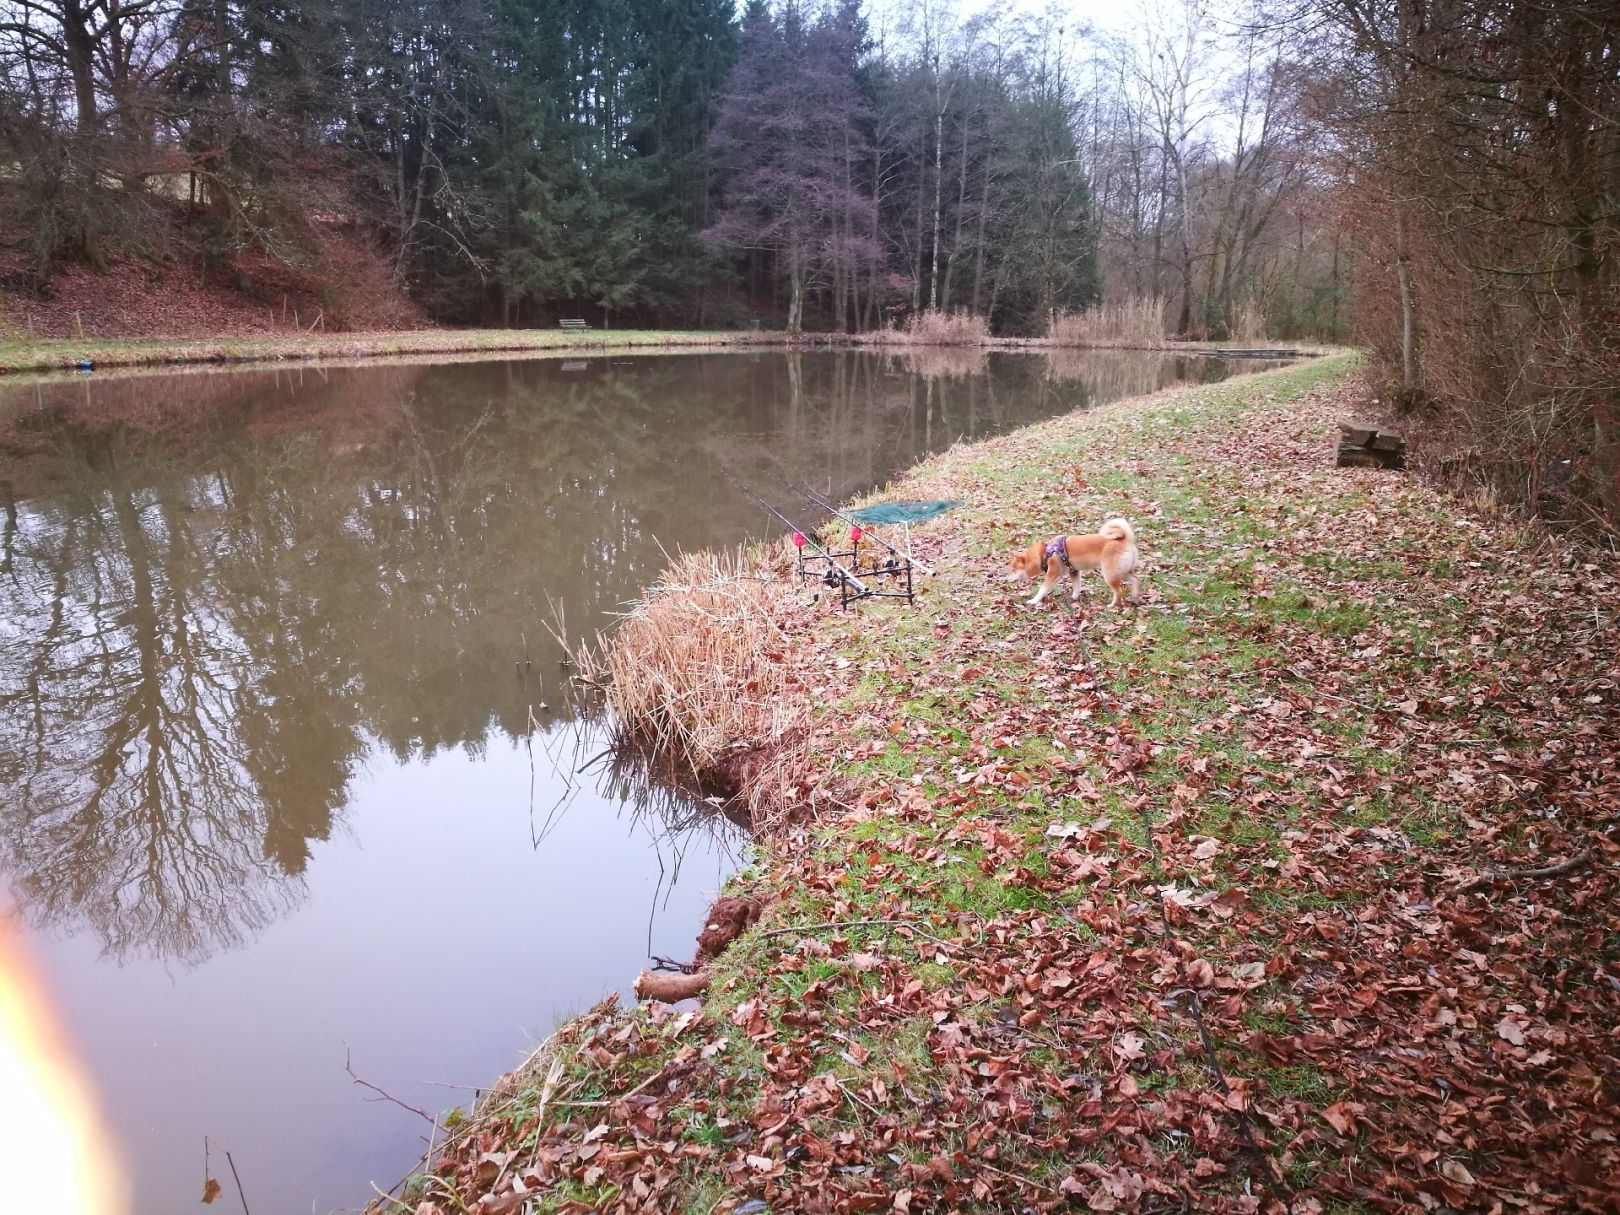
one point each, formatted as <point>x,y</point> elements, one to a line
<point>1226,903</point>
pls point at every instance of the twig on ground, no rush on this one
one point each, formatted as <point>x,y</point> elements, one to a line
<point>614,1100</point>
<point>1014,1177</point>
<point>1219,1072</point>
<point>844,1088</point>
<point>548,1090</point>
<point>832,924</point>
<point>378,1191</point>
<point>1580,860</point>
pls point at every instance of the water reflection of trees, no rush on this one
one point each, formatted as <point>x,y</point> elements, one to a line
<point>219,594</point>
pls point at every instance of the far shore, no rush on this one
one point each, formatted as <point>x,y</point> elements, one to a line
<point>70,354</point>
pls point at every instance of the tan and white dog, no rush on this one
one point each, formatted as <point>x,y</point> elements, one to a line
<point>1111,551</point>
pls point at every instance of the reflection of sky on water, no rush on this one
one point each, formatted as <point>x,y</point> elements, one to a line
<point>429,972</point>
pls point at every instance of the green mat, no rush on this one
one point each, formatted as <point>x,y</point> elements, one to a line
<point>901,512</point>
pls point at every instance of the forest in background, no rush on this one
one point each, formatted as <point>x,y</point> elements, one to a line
<point>818,165</point>
<point>1434,179</point>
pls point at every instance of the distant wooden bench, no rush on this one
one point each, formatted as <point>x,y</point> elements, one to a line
<point>1364,445</point>
<point>574,324</point>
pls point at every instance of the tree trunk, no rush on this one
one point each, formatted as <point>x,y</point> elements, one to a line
<point>1411,370</point>
<point>961,212</point>
<point>939,173</point>
<point>80,47</point>
<point>1184,325</point>
<point>978,242</point>
<point>795,322</point>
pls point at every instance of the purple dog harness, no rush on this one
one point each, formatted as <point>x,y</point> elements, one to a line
<point>1057,548</point>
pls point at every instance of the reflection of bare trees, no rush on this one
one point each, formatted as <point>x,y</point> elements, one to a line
<point>1110,374</point>
<point>129,786</point>
<point>215,601</point>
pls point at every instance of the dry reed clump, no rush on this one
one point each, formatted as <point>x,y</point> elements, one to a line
<point>698,674</point>
<point>1137,322</point>
<point>1249,323</point>
<point>937,328</point>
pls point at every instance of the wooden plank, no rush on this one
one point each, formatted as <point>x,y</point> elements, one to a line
<point>1358,433</point>
<point>1355,455</point>
<point>1387,441</point>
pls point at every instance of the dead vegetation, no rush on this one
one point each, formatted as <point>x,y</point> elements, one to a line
<point>1137,323</point>
<point>700,675</point>
<point>934,327</point>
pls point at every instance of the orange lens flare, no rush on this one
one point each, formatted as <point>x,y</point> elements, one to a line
<point>59,1157</point>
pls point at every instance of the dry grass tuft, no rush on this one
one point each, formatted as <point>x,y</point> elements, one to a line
<point>936,328</point>
<point>1137,323</point>
<point>699,674</point>
<point>1249,323</point>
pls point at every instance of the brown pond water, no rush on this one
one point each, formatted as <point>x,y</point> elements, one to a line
<point>286,768</point>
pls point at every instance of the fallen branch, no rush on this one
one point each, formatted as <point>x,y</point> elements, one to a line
<point>1580,860</point>
<point>1271,1181</point>
<point>670,989</point>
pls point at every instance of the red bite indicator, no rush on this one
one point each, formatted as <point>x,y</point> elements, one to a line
<point>798,539</point>
<point>855,535</point>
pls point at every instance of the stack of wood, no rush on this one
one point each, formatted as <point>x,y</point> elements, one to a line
<point>1365,445</point>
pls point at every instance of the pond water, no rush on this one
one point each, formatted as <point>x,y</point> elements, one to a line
<point>288,775</point>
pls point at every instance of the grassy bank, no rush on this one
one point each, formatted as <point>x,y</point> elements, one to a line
<point>60,354</point>
<point>1291,888</point>
<point>66,354</point>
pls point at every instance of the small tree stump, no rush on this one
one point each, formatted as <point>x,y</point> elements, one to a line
<point>1364,445</point>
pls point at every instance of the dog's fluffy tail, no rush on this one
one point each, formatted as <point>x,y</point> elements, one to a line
<point>1117,529</point>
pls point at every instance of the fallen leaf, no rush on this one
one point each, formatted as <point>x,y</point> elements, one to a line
<point>1129,1046</point>
<point>1340,1117</point>
<point>1451,1170</point>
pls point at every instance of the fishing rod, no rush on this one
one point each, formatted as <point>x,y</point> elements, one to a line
<point>800,540</point>
<point>866,528</point>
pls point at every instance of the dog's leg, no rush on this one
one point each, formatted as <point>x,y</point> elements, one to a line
<point>1074,587</point>
<point>1046,589</point>
<point>1136,589</point>
<point>1116,584</point>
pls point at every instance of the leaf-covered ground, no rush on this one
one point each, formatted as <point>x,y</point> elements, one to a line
<point>1215,904</point>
